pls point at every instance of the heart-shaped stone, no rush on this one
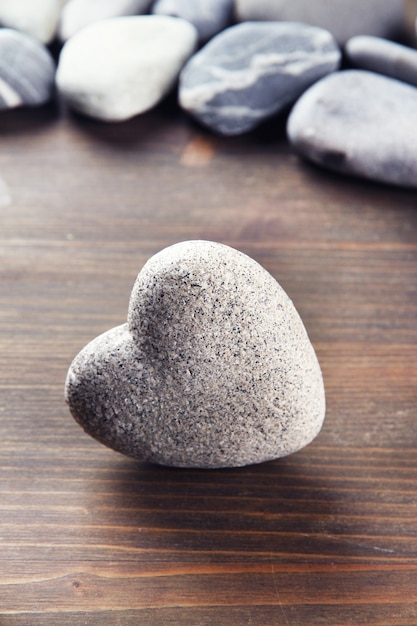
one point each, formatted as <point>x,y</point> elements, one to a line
<point>214,367</point>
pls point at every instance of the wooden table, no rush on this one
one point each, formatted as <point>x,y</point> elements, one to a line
<point>87,536</point>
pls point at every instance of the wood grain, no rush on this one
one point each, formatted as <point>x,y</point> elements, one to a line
<point>326,536</point>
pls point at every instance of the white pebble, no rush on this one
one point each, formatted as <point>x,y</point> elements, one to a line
<point>120,67</point>
<point>344,19</point>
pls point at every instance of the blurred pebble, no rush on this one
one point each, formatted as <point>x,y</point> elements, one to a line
<point>117,68</point>
<point>343,19</point>
<point>208,16</point>
<point>79,13</point>
<point>252,71</point>
<point>27,70</point>
<point>383,56</point>
<point>361,123</point>
<point>38,18</point>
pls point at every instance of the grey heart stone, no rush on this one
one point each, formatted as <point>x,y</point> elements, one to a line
<point>214,367</point>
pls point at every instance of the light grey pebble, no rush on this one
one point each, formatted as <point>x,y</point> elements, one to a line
<point>252,71</point>
<point>343,19</point>
<point>77,14</point>
<point>27,70</point>
<point>214,367</point>
<point>383,56</point>
<point>208,16</point>
<point>117,68</point>
<point>361,123</point>
<point>38,18</point>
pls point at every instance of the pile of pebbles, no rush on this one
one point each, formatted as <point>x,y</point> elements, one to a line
<point>335,69</point>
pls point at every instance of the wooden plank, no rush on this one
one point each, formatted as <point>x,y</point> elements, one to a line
<point>326,536</point>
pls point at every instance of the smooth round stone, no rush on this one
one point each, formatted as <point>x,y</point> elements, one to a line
<point>361,123</point>
<point>343,19</point>
<point>208,16</point>
<point>77,14</point>
<point>383,56</point>
<point>214,367</point>
<point>27,71</point>
<point>38,18</point>
<point>253,71</point>
<point>120,67</point>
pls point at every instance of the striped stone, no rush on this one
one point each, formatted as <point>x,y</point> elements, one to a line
<point>27,71</point>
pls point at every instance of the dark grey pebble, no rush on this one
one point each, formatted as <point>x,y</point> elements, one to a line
<point>361,123</point>
<point>252,71</point>
<point>383,56</point>
<point>27,71</point>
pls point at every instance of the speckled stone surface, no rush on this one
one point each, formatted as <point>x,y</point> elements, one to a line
<point>27,70</point>
<point>383,56</point>
<point>208,16</point>
<point>343,18</point>
<point>361,123</point>
<point>214,367</point>
<point>252,71</point>
<point>117,68</point>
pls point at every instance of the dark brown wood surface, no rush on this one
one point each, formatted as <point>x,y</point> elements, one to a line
<point>87,536</point>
